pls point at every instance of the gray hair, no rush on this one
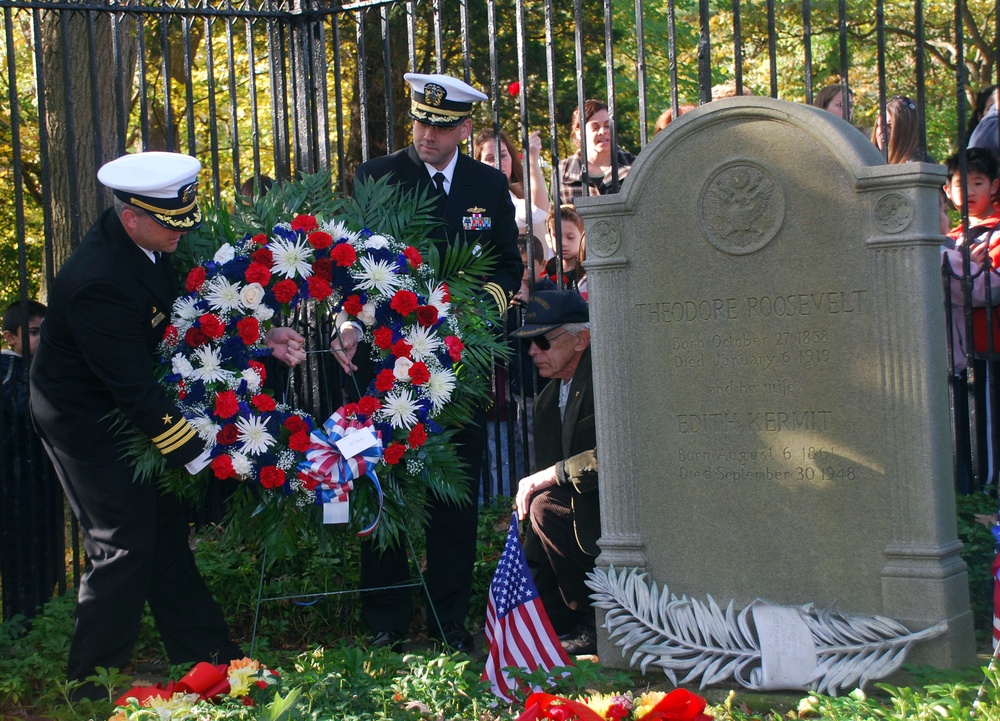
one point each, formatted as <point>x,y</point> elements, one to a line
<point>120,206</point>
<point>574,328</point>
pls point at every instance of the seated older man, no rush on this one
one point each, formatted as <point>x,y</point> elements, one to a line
<point>561,500</point>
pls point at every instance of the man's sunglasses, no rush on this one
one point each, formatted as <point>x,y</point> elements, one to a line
<point>545,343</point>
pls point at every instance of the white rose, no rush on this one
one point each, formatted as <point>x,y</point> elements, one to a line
<point>263,313</point>
<point>224,254</point>
<point>377,241</point>
<point>241,464</point>
<point>181,365</point>
<point>252,379</point>
<point>402,369</point>
<point>367,314</point>
<point>251,295</point>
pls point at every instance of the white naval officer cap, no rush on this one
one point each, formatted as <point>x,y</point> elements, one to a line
<point>441,99</point>
<point>165,185</point>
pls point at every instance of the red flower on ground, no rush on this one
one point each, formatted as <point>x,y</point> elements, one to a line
<point>227,434</point>
<point>401,348</point>
<point>419,373</point>
<point>383,337</point>
<point>299,441</point>
<point>413,255</point>
<point>320,239</point>
<point>394,453</point>
<point>249,330</point>
<point>323,268</point>
<point>259,369</point>
<point>417,437</point>
<point>263,402</point>
<point>285,290</point>
<point>222,467</point>
<point>427,315</point>
<point>385,380</point>
<point>404,302</point>
<point>226,404</point>
<point>319,288</point>
<point>304,223</point>
<point>343,254</point>
<point>212,326</point>
<point>194,337</point>
<point>272,477</point>
<point>258,273</point>
<point>353,304</point>
<point>455,347</point>
<point>195,279</point>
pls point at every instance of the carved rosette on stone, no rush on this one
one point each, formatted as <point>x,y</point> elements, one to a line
<point>741,208</point>
<point>893,213</point>
<point>603,239</point>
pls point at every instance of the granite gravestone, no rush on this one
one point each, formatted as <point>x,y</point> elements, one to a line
<point>770,372</point>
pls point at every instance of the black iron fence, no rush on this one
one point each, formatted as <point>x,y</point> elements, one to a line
<point>277,88</point>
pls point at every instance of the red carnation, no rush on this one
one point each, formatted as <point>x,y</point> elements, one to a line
<point>194,337</point>
<point>227,434</point>
<point>260,239</point>
<point>404,302</point>
<point>394,453</point>
<point>272,477</point>
<point>295,424</point>
<point>195,278</point>
<point>319,239</point>
<point>170,335</point>
<point>353,305</point>
<point>259,369</point>
<point>343,254</point>
<point>351,409</point>
<point>263,402</point>
<point>401,348</point>
<point>323,268</point>
<point>413,255</point>
<point>419,373</point>
<point>514,89</point>
<point>299,441</point>
<point>285,290</point>
<point>212,326</point>
<point>308,481</point>
<point>368,405</point>
<point>427,315</point>
<point>319,288</point>
<point>385,380</point>
<point>383,337</point>
<point>417,437</point>
<point>249,330</point>
<point>258,273</point>
<point>226,404</point>
<point>304,223</point>
<point>222,467</point>
<point>263,256</point>
<point>455,347</point>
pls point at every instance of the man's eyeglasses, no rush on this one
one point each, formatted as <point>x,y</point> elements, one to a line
<point>545,343</point>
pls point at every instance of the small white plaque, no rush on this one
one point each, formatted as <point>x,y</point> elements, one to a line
<point>787,648</point>
<point>337,512</point>
<point>356,441</point>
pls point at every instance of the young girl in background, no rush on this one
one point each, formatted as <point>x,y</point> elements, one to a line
<point>574,249</point>
<point>484,150</point>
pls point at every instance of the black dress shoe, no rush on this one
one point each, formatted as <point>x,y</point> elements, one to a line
<point>581,641</point>
<point>387,639</point>
<point>457,637</point>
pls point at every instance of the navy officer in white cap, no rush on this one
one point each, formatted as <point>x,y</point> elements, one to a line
<point>108,308</point>
<point>474,204</point>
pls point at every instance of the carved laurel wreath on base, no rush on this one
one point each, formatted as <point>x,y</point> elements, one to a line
<point>682,635</point>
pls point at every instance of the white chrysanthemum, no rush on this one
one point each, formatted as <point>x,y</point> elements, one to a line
<point>223,295</point>
<point>241,464</point>
<point>376,242</point>
<point>253,434</point>
<point>436,298</point>
<point>291,258</point>
<point>180,365</point>
<point>340,231</point>
<point>206,428</point>
<point>424,341</point>
<point>224,254</point>
<point>377,274</point>
<point>400,409</point>
<point>251,295</point>
<point>263,312</point>
<point>440,386</point>
<point>209,367</point>
<point>185,311</point>
<point>401,369</point>
<point>252,379</point>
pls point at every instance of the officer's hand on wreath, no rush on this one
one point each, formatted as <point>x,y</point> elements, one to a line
<point>344,345</point>
<point>529,486</point>
<point>286,345</point>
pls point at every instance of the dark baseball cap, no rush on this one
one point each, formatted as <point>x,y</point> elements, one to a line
<point>549,309</point>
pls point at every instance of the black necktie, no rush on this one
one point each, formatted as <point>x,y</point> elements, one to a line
<point>439,182</point>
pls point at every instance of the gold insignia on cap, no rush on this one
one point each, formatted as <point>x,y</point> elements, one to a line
<point>189,192</point>
<point>167,419</point>
<point>434,94</point>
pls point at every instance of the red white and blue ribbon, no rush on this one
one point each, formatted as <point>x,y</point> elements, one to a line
<point>336,472</point>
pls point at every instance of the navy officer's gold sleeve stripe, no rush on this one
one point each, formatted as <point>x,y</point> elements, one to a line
<point>498,294</point>
<point>174,437</point>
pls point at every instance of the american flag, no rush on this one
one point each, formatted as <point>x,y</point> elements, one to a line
<point>517,628</point>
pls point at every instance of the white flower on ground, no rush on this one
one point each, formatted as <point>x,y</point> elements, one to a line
<point>424,341</point>
<point>440,386</point>
<point>402,369</point>
<point>291,258</point>
<point>252,379</point>
<point>252,433</point>
<point>179,705</point>
<point>377,241</point>
<point>251,295</point>
<point>367,314</point>
<point>400,409</point>
<point>224,254</point>
<point>209,367</point>
<point>206,428</point>
<point>377,274</point>
<point>241,675</point>
<point>241,464</point>
<point>340,231</point>
<point>436,298</point>
<point>223,295</point>
<point>180,365</point>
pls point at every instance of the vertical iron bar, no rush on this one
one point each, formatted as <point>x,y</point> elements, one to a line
<point>438,42</point>
<point>339,106</point>
<point>276,43</point>
<point>321,98</point>
<point>411,35</point>
<point>844,52</point>
<point>772,48</point>
<point>704,52</point>
<point>640,58</point>
<point>71,167</point>
<point>192,145</point>
<point>213,127</point>
<point>390,135</point>
<point>234,130</point>
<point>44,149</point>
<point>95,102</point>
<point>672,57</point>
<point>609,63</point>
<point>918,24</point>
<point>880,57</point>
<point>737,47</point>
<point>550,76</point>
<point>168,110</point>
<point>363,87</point>
<point>252,80</point>
<point>807,47</point>
<point>143,82</point>
<point>120,84</point>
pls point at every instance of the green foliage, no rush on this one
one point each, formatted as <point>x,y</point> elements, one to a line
<point>978,551</point>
